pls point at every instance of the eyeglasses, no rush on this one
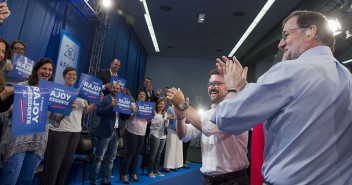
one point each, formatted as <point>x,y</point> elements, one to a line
<point>215,84</point>
<point>284,34</point>
<point>18,49</point>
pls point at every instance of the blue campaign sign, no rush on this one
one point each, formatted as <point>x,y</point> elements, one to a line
<point>118,80</point>
<point>22,67</point>
<point>90,88</point>
<point>124,104</point>
<point>145,109</point>
<point>61,97</point>
<point>30,110</point>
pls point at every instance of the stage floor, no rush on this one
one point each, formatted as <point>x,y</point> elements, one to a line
<point>183,176</point>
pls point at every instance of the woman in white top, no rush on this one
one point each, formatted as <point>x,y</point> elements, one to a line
<point>157,138</point>
<point>64,137</point>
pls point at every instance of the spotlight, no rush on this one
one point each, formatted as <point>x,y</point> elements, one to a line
<point>106,3</point>
<point>335,26</point>
<point>201,111</point>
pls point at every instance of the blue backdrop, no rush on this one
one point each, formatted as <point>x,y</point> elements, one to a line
<point>38,23</point>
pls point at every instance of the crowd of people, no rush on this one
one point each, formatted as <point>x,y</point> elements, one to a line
<point>300,111</point>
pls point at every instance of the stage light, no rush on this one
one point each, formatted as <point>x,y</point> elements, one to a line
<point>335,26</point>
<point>201,111</point>
<point>106,3</point>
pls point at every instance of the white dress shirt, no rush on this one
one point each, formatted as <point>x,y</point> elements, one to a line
<point>221,152</point>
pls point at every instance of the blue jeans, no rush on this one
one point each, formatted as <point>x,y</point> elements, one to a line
<point>19,169</point>
<point>157,146</point>
<point>106,149</point>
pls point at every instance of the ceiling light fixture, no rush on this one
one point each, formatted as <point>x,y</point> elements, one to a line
<point>201,18</point>
<point>150,25</point>
<point>252,26</point>
<point>347,61</point>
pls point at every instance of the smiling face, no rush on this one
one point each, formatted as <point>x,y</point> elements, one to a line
<point>70,78</point>
<point>115,66</point>
<point>161,106</point>
<point>45,72</point>
<point>141,96</point>
<point>115,88</point>
<point>2,51</point>
<point>147,83</point>
<point>217,93</point>
<point>293,44</point>
<point>19,48</point>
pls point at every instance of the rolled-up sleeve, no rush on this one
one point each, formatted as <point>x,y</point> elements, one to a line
<point>256,103</point>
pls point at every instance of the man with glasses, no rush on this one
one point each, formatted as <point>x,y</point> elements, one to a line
<point>306,101</point>
<point>224,156</point>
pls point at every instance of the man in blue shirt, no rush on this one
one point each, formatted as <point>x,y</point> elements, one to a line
<point>306,102</point>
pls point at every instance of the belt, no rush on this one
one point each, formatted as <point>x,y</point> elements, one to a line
<point>266,183</point>
<point>226,176</point>
<point>116,129</point>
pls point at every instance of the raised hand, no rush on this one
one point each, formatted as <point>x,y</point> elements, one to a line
<point>234,74</point>
<point>4,11</point>
<point>175,96</point>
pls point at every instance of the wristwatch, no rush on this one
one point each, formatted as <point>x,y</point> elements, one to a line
<point>184,106</point>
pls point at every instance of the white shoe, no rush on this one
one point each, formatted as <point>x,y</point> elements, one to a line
<point>159,174</point>
<point>151,175</point>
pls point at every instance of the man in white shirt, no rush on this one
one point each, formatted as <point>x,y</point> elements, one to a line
<point>224,156</point>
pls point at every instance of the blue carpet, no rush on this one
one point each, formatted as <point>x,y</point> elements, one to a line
<point>183,176</point>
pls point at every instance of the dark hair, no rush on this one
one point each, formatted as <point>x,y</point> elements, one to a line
<point>213,72</point>
<point>68,69</point>
<point>139,91</point>
<point>33,79</point>
<point>308,18</point>
<point>3,62</point>
<point>148,78</point>
<point>12,46</point>
<point>156,106</point>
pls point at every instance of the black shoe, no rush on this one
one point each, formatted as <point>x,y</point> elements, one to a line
<point>102,183</point>
<point>124,180</point>
<point>134,178</point>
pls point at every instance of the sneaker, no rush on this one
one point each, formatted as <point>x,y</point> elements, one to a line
<point>151,175</point>
<point>159,174</point>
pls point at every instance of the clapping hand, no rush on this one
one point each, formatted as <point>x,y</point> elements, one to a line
<point>4,11</point>
<point>234,74</point>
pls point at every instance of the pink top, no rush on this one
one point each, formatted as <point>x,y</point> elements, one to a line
<point>137,126</point>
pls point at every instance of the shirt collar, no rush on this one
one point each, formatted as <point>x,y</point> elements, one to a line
<point>112,73</point>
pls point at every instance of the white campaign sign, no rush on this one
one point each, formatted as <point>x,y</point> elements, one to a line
<point>69,53</point>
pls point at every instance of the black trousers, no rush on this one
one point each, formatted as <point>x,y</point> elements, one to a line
<point>242,180</point>
<point>58,156</point>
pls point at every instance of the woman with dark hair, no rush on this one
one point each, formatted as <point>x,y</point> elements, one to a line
<point>157,138</point>
<point>64,137</point>
<point>136,128</point>
<point>18,47</point>
<point>21,154</point>
<point>5,92</point>
<point>4,50</point>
